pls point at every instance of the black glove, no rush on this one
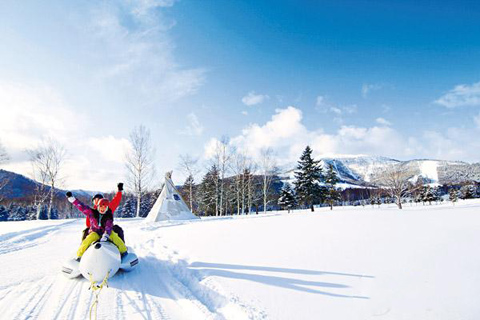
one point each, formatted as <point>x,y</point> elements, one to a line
<point>68,194</point>
<point>120,186</point>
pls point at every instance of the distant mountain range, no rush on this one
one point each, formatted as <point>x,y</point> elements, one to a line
<point>355,171</point>
<point>21,187</point>
<point>362,170</point>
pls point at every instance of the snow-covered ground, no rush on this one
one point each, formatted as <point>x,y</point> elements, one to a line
<point>349,263</point>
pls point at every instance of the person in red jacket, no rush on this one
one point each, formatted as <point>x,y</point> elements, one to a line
<point>113,204</point>
<point>101,225</point>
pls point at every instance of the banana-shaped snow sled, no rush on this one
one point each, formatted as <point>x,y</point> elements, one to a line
<point>100,259</point>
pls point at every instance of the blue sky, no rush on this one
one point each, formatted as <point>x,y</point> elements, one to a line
<point>392,78</point>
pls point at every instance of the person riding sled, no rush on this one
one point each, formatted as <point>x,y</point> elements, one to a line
<point>113,204</point>
<point>101,225</point>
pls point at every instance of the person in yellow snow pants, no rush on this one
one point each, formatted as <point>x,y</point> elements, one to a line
<point>92,237</point>
<point>101,223</point>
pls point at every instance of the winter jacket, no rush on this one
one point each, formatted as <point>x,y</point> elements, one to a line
<point>112,205</point>
<point>99,223</point>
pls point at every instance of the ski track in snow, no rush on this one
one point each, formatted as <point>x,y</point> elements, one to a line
<point>19,240</point>
<point>161,287</point>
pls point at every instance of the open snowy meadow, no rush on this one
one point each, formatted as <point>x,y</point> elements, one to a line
<point>421,262</point>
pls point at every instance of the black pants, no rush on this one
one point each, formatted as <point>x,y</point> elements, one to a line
<point>118,230</point>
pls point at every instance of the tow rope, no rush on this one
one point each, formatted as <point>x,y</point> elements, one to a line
<point>96,289</point>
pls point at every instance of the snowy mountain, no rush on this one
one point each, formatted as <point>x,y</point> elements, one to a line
<point>362,170</point>
<point>358,170</point>
<point>20,187</point>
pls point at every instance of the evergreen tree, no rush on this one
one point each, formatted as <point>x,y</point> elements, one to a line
<point>148,201</point>
<point>331,193</point>
<point>423,195</point>
<point>17,213</point>
<point>209,192</point>
<point>308,178</point>
<point>467,191</point>
<point>453,195</point>
<point>287,198</point>
<point>429,195</point>
<point>373,201</point>
<point>127,210</point>
<point>42,212</point>
<point>252,187</point>
<point>3,213</point>
<point>53,213</point>
<point>31,213</point>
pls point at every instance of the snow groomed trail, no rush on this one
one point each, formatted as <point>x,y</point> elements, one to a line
<point>162,287</point>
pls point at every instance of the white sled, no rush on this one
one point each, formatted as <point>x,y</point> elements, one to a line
<point>100,259</point>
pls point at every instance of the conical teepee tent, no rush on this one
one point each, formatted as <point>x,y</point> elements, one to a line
<point>170,205</point>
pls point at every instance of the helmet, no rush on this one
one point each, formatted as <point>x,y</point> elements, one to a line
<point>102,202</point>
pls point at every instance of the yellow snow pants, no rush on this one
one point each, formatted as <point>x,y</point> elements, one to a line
<point>92,237</point>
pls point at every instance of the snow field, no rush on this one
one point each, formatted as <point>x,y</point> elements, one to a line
<point>349,263</point>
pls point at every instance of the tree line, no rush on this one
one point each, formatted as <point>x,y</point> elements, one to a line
<point>233,183</point>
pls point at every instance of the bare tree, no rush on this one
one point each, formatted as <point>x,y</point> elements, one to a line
<point>139,163</point>
<point>268,169</point>
<point>47,160</point>
<point>242,167</point>
<point>189,166</point>
<point>221,159</point>
<point>41,189</point>
<point>238,165</point>
<point>396,181</point>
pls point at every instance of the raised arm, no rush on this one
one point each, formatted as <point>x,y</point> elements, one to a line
<point>78,204</point>
<point>116,200</point>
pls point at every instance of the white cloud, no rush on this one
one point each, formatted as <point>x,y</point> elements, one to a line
<point>132,46</point>
<point>214,147</point>
<point>461,95</point>
<point>194,128</point>
<point>322,105</point>
<point>384,122</point>
<point>245,113</point>
<point>210,148</point>
<point>252,98</point>
<point>142,7</point>
<point>286,134</point>
<point>109,148</point>
<point>350,109</point>
<point>336,110</point>
<point>284,127</point>
<point>476,120</point>
<point>367,88</point>
<point>320,101</point>
<point>452,144</point>
<point>32,113</point>
<point>119,57</point>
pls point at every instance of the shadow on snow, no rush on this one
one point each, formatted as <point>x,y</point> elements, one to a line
<point>225,271</point>
<point>181,280</point>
